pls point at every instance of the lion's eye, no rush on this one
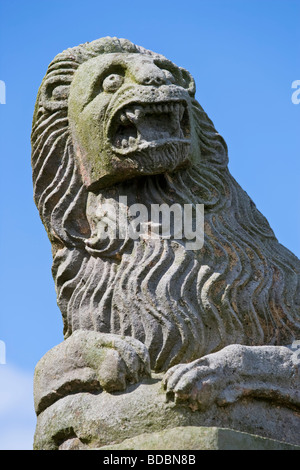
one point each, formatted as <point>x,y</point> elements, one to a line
<point>112,82</point>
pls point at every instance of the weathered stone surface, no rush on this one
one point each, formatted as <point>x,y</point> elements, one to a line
<point>115,126</point>
<point>94,420</point>
<point>200,438</point>
<point>88,361</point>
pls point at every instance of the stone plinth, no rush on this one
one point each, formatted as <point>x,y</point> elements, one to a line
<point>200,438</point>
<point>86,420</point>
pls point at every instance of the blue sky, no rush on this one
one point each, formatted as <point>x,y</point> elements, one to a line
<point>244,55</point>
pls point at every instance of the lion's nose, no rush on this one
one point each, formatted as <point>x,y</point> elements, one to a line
<point>152,80</point>
<point>150,75</point>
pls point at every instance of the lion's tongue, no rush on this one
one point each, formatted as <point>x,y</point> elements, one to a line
<point>157,127</point>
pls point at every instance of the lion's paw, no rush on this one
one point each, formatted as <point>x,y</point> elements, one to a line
<point>89,361</point>
<point>205,381</point>
<point>235,372</point>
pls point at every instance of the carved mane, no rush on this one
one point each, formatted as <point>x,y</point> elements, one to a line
<point>242,287</point>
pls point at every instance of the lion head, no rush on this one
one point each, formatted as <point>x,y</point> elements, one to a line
<point>129,116</point>
<point>114,119</point>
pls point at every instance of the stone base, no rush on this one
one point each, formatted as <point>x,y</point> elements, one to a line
<point>200,438</point>
<point>89,421</point>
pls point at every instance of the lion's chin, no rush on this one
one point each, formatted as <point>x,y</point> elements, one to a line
<point>158,158</point>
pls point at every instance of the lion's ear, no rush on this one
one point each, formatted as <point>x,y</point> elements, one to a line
<point>55,92</point>
<point>189,82</point>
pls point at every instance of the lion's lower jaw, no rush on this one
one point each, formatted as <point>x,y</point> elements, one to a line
<point>161,158</point>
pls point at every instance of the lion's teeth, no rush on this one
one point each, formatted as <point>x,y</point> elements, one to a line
<point>176,108</point>
<point>124,143</point>
<point>135,113</point>
<point>130,115</point>
<point>138,111</point>
<point>181,111</point>
<point>132,141</point>
<point>124,118</point>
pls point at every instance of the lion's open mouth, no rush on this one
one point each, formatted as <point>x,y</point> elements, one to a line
<point>137,126</point>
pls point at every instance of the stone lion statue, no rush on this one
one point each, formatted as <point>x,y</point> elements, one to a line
<point>116,122</point>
